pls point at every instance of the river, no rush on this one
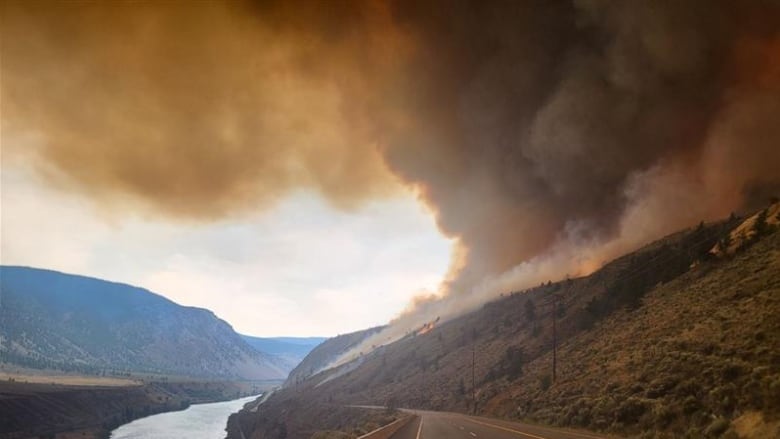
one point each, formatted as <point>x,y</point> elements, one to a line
<point>199,421</point>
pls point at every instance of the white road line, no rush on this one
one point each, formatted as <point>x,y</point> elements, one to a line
<point>506,429</point>
<point>573,433</point>
<point>419,429</point>
<point>367,435</point>
<point>473,434</point>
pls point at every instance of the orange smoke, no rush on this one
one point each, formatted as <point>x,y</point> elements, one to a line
<point>757,63</point>
<point>544,136</point>
<point>200,112</point>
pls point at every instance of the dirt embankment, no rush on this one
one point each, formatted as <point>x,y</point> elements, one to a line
<point>294,418</point>
<point>62,411</point>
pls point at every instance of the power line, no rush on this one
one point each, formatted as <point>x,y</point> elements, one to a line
<point>655,261</point>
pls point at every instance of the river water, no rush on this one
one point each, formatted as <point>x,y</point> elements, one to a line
<point>199,421</point>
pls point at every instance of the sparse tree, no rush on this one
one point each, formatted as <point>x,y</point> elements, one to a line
<point>560,310</point>
<point>742,241</point>
<point>513,362</point>
<point>760,226</point>
<point>725,242</point>
<point>545,382</point>
<point>530,310</point>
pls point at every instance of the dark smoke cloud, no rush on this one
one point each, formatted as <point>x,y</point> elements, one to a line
<point>547,136</point>
<point>541,118</point>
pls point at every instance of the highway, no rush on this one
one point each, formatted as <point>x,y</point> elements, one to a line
<point>441,425</point>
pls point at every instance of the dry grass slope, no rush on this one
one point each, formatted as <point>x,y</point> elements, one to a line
<point>669,341</point>
<point>702,351</point>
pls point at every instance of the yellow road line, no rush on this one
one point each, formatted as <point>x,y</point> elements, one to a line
<point>419,429</point>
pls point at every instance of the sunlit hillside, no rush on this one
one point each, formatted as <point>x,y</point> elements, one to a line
<point>667,341</point>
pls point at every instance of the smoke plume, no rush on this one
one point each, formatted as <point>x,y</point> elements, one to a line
<point>197,111</point>
<point>547,136</point>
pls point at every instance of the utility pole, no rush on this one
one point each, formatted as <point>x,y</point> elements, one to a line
<point>555,301</point>
<point>474,375</point>
<point>555,340</point>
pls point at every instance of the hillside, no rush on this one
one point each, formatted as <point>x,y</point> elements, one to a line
<point>669,341</point>
<point>327,352</point>
<point>289,350</point>
<point>51,320</point>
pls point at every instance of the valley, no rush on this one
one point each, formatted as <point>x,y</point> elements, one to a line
<point>389,219</point>
<point>654,344</point>
<point>92,411</point>
<point>80,356</point>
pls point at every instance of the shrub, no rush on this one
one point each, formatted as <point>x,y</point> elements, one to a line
<point>513,362</point>
<point>664,415</point>
<point>691,405</point>
<point>716,428</point>
<point>731,372</point>
<point>545,382</point>
<point>631,410</point>
<point>661,386</point>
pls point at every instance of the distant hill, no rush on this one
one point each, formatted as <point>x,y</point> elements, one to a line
<point>51,320</point>
<point>676,339</point>
<point>327,352</point>
<point>289,350</point>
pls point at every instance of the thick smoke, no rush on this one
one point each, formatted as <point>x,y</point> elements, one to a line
<point>549,122</point>
<point>197,111</point>
<point>546,136</point>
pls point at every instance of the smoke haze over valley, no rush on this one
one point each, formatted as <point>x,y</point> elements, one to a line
<point>544,137</point>
<point>457,176</point>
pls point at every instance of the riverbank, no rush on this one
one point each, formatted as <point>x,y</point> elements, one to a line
<point>199,421</point>
<point>305,421</point>
<point>65,411</point>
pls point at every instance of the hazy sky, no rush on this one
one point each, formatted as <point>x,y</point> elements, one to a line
<point>301,268</point>
<point>197,153</point>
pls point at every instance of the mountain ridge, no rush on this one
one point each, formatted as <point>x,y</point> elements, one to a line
<point>51,319</point>
<point>322,356</point>
<point>290,350</point>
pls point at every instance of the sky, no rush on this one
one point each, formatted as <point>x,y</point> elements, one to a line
<point>377,157</point>
<point>302,268</point>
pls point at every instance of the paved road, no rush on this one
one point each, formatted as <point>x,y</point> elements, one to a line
<point>440,425</point>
